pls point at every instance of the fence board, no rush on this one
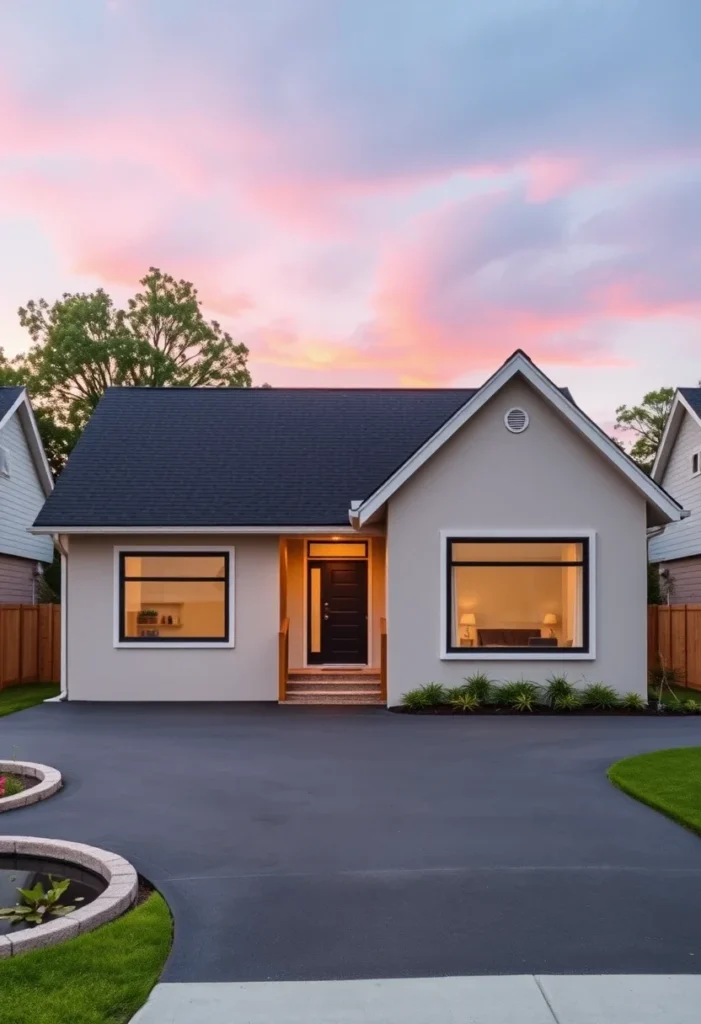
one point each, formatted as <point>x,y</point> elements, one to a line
<point>30,643</point>
<point>674,640</point>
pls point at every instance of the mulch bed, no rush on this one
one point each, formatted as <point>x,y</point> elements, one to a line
<point>145,890</point>
<point>446,709</point>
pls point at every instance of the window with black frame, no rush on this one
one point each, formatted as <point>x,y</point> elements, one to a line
<point>174,597</point>
<point>518,594</point>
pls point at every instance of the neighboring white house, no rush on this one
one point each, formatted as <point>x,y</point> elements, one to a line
<point>347,545</point>
<point>25,482</point>
<point>677,549</point>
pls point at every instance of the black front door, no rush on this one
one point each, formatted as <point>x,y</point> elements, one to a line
<point>337,613</point>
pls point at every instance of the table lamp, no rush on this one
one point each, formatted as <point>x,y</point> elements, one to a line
<point>550,620</point>
<point>467,619</point>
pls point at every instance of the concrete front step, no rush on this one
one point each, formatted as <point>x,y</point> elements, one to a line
<point>334,697</point>
<point>341,687</point>
<point>334,677</point>
<point>359,686</point>
<point>332,691</point>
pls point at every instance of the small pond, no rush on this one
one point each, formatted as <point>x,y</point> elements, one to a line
<point>25,872</point>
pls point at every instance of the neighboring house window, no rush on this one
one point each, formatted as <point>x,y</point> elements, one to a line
<point>4,461</point>
<point>695,463</point>
<point>518,594</point>
<point>174,597</point>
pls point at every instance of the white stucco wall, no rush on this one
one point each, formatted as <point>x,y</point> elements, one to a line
<point>96,670</point>
<point>547,478</point>
<point>21,498</point>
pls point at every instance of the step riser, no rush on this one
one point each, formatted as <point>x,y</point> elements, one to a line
<point>330,687</point>
<point>328,701</point>
<point>337,677</point>
<point>332,694</point>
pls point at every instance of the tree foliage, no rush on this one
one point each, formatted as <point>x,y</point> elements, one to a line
<point>83,344</point>
<point>647,422</point>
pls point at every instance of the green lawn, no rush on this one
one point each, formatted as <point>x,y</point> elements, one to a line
<point>682,692</point>
<point>24,695</point>
<point>668,780</point>
<point>102,977</point>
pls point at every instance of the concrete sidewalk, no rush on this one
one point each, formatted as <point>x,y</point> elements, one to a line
<point>504,999</point>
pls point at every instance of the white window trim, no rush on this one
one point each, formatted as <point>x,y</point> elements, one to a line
<point>183,644</point>
<point>698,463</point>
<point>5,461</point>
<point>472,653</point>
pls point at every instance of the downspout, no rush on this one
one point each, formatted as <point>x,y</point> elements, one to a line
<point>63,551</point>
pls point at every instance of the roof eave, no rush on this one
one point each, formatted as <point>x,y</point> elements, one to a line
<point>55,528</point>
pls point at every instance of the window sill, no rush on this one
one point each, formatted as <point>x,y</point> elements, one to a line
<point>544,654</point>
<point>125,645</point>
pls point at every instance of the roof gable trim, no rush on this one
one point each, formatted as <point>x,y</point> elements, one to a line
<point>23,407</point>
<point>680,405</point>
<point>518,364</point>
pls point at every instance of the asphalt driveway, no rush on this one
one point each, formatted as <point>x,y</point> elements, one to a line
<point>305,843</point>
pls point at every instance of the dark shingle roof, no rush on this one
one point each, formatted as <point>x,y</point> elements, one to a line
<point>8,397</point>
<point>693,397</point>
<point>240,457</point>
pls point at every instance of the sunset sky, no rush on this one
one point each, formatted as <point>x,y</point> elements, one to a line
<point>373,191</point>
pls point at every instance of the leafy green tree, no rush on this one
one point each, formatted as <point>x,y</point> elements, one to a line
<point>9,377</point>
<point>83,344</point>
<point>647,422</point>
<point>58,439</point>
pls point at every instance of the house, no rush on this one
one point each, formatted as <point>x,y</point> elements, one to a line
<point>677,468</point>
<point>25,482</point>
<point>349,544</point>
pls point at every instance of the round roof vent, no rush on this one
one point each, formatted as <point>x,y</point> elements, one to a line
<point>516,420</point>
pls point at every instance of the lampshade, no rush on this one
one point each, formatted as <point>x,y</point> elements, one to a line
<point>468,619</point>
<point>550,619</point>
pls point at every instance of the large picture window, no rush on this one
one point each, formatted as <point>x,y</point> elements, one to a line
<point>174,597</point>
<point>518,595</point>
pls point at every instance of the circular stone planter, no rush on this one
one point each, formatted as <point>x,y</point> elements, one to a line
<point>119,896</point>
<point>50,782</point>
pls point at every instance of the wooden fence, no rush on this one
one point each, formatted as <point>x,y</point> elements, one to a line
<point>674,640</point>
<point>30,643</point>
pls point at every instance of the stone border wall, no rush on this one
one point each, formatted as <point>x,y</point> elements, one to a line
<point>120,894</point>
<point>50,782</point>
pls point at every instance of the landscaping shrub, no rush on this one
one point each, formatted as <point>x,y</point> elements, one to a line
<point>414,700</point>
<point>435,693</point>
<point>10,785</point>
<point>691,706</point>
<point>524,696</point>
<point>428,696</point>
<point>568,701</point>
<point>556,688</point>
<point>633,702</point>
<point>479,685</point>
<point>465,702</point>
<point>504,693</point>
<point>454,692</point>
<point>600,696</point>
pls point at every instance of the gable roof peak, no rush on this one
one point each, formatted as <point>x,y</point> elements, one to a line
<point>520,362</point>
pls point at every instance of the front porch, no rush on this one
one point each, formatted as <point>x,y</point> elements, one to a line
<point>333,634</point>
